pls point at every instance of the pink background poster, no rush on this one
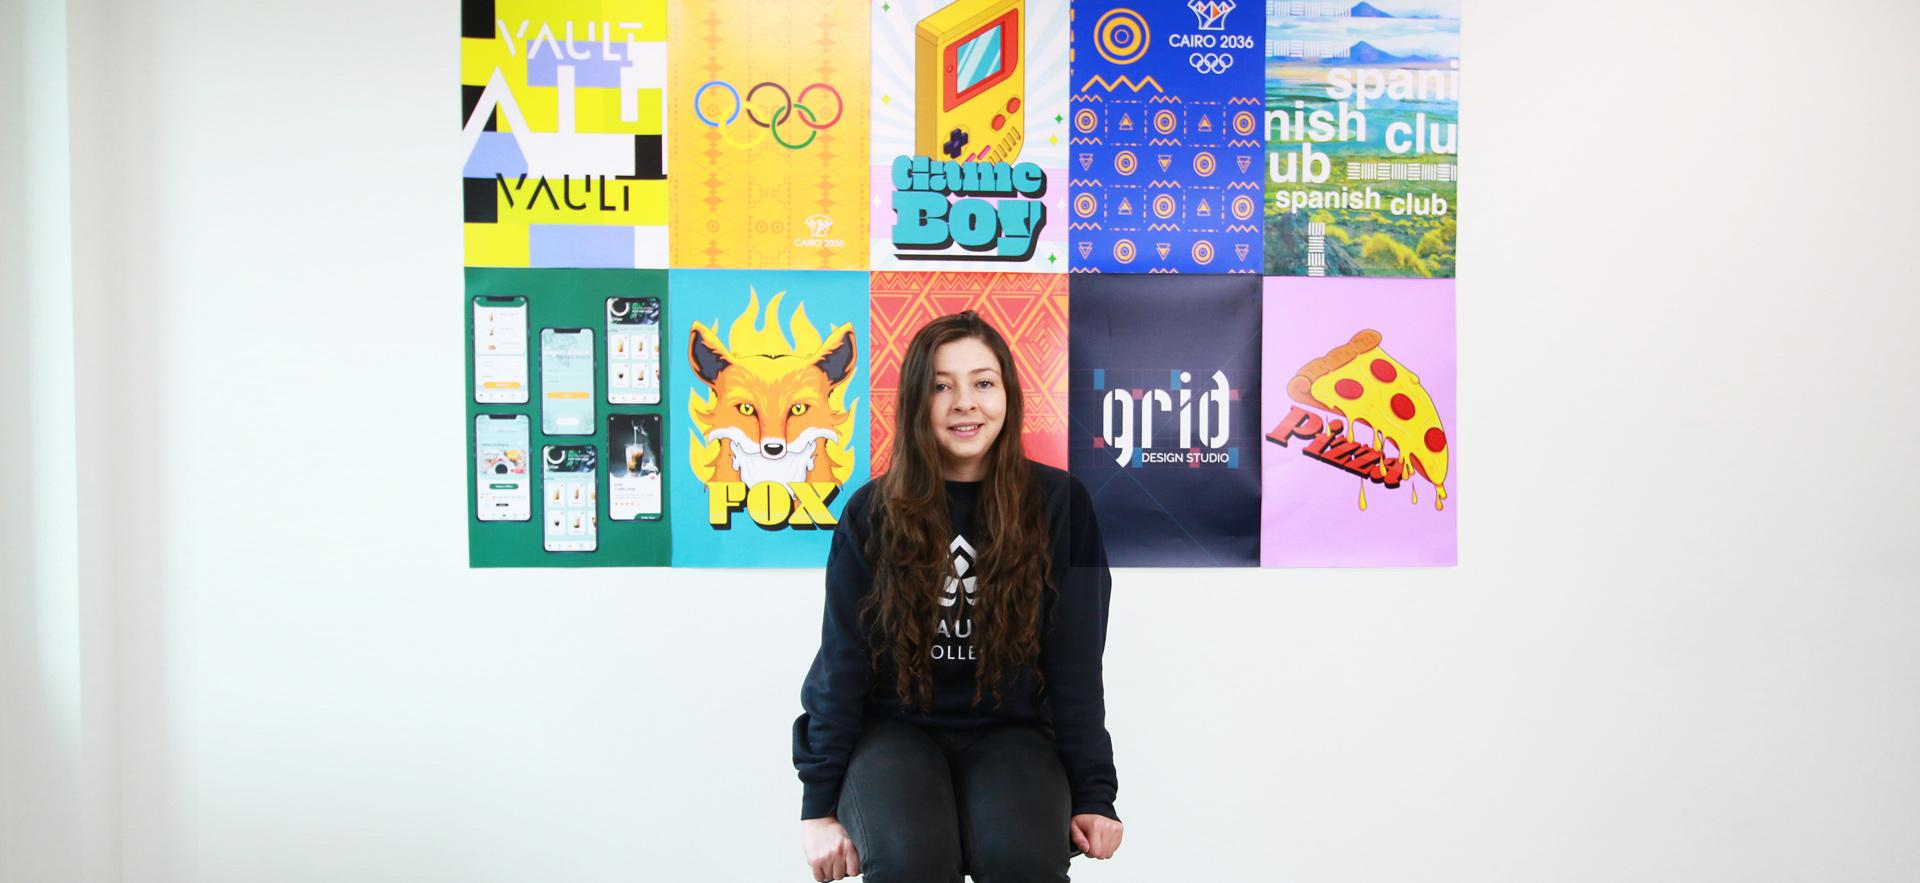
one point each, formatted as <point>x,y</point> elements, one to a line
<point>1311,513</point>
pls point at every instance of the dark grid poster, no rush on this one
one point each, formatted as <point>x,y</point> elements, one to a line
<point>1164,407</point>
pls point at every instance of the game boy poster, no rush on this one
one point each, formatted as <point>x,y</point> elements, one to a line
<point>969,152</point>
<point>1358,412</point>
<point>1028,309</point>
<point>768,112</point>
<point>563,112</point>
<point>1363,105</point>
<point>1163,396</point>
<point>1164,169</point>
<point>769,413</point>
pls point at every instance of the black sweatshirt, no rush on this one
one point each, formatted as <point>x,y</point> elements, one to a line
<point>841,688</point>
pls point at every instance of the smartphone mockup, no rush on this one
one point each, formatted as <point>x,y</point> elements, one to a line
<point>634,468</point>
<point>633,350</point>
<point>566,381</point>
<point>500,350</point>
<point>569,490</point>
<point>504,457</point>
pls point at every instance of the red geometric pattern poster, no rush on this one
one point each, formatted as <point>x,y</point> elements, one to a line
<point>1028,309</point>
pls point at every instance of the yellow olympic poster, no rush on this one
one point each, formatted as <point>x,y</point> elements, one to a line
<point>768,130</point>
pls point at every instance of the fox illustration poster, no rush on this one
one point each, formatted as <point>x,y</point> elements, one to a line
<point>771,416</point>
<point>1361,467</point>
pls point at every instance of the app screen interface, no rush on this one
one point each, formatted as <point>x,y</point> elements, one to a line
<point>566,381</point>
<point>500,350</point>
<point>633,350</point>
<point>503,461</point>
<point>634,476</point>
<point>571,502</point>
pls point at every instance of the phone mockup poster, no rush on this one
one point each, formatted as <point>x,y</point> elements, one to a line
<point>566,381</point>
<point>501,447</point>
<point>500,350</point>
<point>634,472</point>
<point>633,350</point>
<point>571,498</point>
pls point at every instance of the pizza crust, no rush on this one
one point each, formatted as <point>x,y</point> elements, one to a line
<point>1301,386</point>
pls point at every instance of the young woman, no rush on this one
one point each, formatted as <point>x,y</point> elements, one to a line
<point>955,716</point>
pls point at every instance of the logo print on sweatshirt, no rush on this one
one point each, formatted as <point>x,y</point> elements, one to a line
<point>962,566</point>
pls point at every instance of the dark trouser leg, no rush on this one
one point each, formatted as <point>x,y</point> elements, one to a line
<point>897,804</point>
<point>1015,807</point>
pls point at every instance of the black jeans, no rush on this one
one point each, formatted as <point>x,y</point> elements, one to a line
<point>928,805</point>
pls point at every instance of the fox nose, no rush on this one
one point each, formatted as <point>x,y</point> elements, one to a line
<point>772,449</point>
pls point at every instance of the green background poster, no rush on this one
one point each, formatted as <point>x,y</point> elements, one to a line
<point>566,299</point>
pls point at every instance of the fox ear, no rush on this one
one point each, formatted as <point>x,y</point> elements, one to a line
<point>838,355</point>
<point>706,354</point>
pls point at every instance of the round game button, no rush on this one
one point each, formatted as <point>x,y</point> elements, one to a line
<point>999,121</point>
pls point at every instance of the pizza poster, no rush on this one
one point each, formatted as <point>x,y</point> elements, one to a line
<point>768,435</point>
<point>1164,173</point>
<point>1028,309</point>
<point>1359,409</point>
<point>969,153</point>
<point>1163,391</point>
<point>1363,108</point>
<point>768,113</point>
<point>562,107</point>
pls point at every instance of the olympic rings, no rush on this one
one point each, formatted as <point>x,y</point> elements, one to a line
<point>783,115</point>
<point>779,113</point>
<point>1210,62</point>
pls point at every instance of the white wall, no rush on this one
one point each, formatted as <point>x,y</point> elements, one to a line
<point>1682,645</point>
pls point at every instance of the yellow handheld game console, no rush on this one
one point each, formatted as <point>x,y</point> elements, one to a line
<point>970,82</point>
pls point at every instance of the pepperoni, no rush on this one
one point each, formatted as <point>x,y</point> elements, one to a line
<point>1383,369</point>
<point>1348,388</point>
<point>1402,406</point>
<point>1436,440</point>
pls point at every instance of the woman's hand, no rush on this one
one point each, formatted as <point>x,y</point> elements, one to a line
<point>1096,835</point>
<point>829,851</point>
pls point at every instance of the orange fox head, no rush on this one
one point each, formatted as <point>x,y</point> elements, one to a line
<point>777,410</point>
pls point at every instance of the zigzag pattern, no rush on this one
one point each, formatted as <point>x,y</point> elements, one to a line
<point>1243,142</point>
<point>1122,80</point>
<point>1163,142</point>
<point>1163,99</point>
<point>1029,309</point>
<point>1163,228</point>
<point>1243,185</point>
<point>1242,99</point>
<point>1242,228</point>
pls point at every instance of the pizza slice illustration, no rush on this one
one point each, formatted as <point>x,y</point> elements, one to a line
<point>1360,381</point>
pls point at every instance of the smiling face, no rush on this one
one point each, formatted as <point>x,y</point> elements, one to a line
<point>967,406</point>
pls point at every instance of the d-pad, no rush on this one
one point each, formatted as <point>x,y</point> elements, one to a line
<point>956,141</point>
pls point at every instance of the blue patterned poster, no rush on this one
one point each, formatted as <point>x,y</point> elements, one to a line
<point>769,413</point>
<point>1164,168</point>
<point>1163,401</point>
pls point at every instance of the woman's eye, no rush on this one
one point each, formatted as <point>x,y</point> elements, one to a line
<point>939,387</point>
<point>797,410</point>
<point>984,384</point>
<point>746,409</point>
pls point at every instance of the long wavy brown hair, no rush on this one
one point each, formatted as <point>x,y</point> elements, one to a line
<point>908,542</point>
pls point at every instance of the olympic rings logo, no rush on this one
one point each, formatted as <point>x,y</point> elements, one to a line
<point>783,113</point>
<point>1210,62</point>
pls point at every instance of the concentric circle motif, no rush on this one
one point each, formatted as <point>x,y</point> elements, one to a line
<point>1085,119</point>
<point>1242,207</point>
<point>1121,36</point>
<point>1123,251</point>
<point>1125,162</point>
<point>1203,163</point>
<point>1163,205</point>
<point>1085,205</point>
<point>1164,121</point>
<point>1243,123</point>
<point>1203,252</point>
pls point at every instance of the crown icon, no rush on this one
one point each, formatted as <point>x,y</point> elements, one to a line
<point>1212,14</point>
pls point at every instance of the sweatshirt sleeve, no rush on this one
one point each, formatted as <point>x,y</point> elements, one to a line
<point>833,696</point>
<point>1070,657</point>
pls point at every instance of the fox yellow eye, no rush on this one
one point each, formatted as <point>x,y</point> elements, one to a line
<point>797,410</point>
<point>746,409</point>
